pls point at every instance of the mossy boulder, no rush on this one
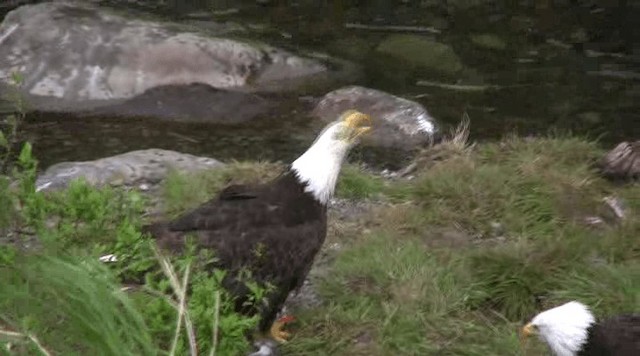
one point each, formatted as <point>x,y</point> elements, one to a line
<point>488,41</point>
<point>422,52</point>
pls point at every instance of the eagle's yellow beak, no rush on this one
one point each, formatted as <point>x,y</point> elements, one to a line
<point>527,331</point>
<point>358,122</point>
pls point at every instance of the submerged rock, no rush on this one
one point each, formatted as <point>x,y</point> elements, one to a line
<point>398,122</point>
<point>351,47</point>
<point>136,167</point>
<point>488,41</point>
<point>622,162</point>
<point>77,56</point>
<point>422,52</point>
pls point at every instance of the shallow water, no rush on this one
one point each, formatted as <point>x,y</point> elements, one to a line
<point>564,69</point>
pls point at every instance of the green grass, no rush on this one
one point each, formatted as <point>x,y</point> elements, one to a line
<point>407,299</point>
<point>356,183</point>
<point>435,276</point>
<point>450,262</point>
<point>79,308</point>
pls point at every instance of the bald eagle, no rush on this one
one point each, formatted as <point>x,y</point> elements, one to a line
<point>274,230</point>
<point>572,330</point>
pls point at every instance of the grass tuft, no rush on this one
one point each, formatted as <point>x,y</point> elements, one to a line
<point>357,184</point>
<point>82,300</point>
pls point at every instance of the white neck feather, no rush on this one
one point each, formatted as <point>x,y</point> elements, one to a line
<point>565,328</point>
<point>320,165</point>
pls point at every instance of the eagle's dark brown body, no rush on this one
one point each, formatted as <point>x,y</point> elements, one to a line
<point>616,336</point>
<point>274,230</point>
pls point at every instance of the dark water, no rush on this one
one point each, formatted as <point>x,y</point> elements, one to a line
<point>568,68</point>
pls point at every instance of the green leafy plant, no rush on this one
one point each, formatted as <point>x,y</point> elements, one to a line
<point>89,222</point>
<point>58,298</point>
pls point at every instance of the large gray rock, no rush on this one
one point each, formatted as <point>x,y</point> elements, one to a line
<point>398,122</point>
<point>75,56</point>
<point>136,167</point>
<point>622,162</point>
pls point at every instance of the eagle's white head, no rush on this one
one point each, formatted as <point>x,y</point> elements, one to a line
<point>563,328</point>
<point>320,165</point>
